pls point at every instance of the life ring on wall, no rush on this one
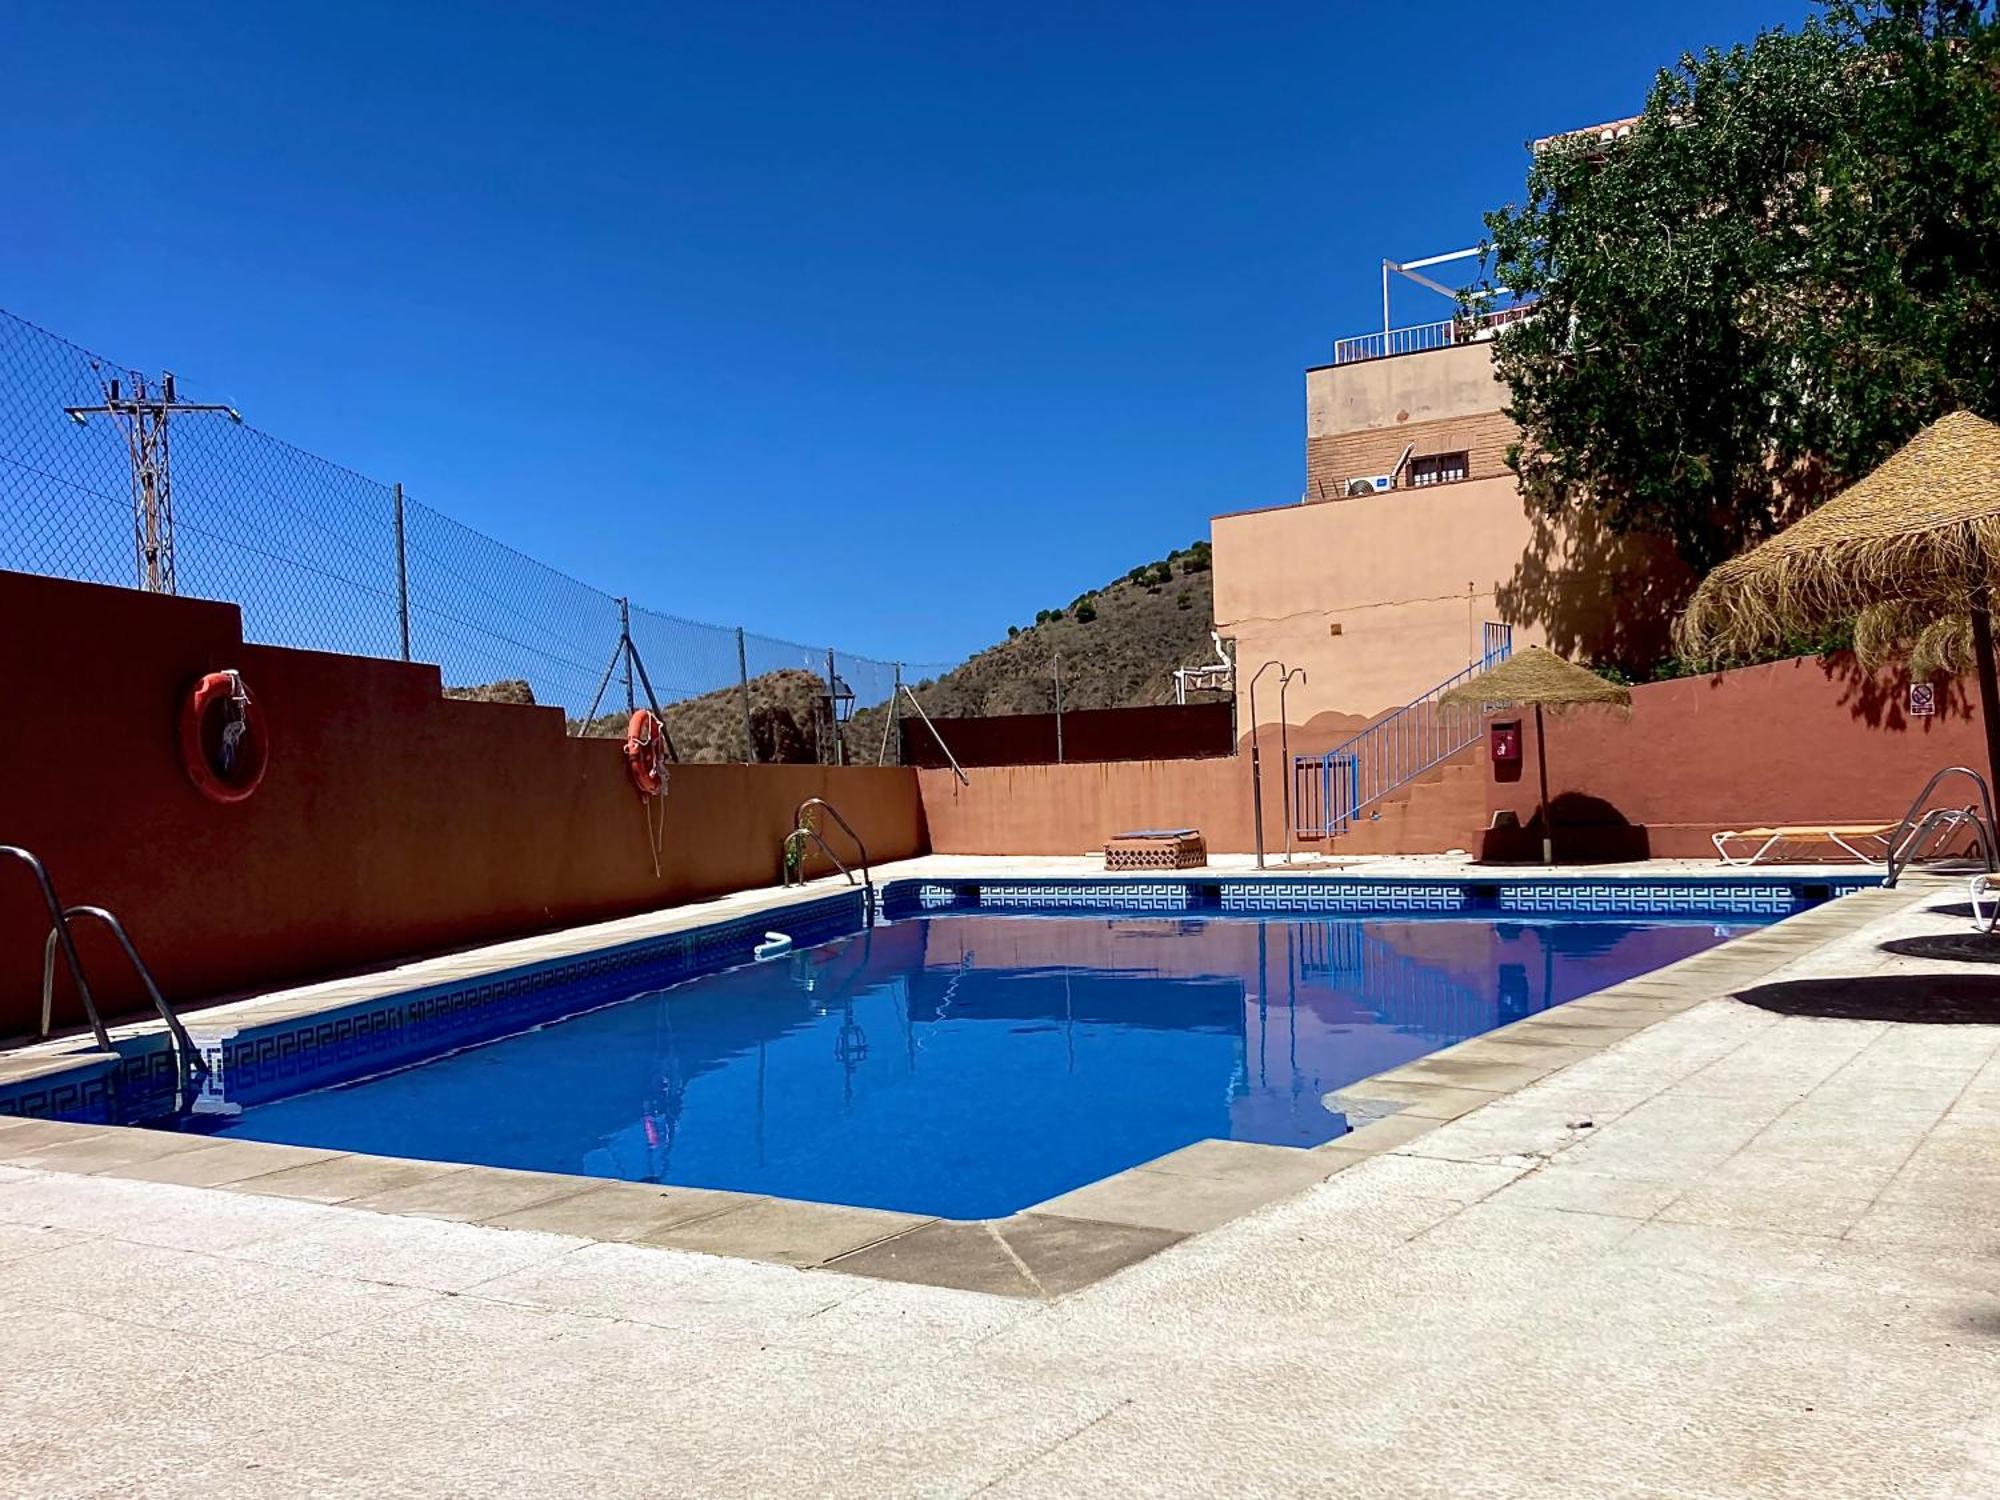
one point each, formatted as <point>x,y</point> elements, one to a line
<point>646,752</point>
<point>224,744</point>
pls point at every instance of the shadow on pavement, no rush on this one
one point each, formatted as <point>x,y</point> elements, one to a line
<point>1934,999</point>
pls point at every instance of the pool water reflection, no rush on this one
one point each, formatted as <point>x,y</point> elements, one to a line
<point>972,1065</point>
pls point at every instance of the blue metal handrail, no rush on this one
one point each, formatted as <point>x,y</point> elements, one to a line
<point>1330,791</point>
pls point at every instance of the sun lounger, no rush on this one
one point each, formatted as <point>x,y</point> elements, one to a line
<point>1867,842</point>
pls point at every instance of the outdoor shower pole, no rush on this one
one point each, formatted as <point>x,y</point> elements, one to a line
<point>743,678</point>
<point>1285,751</point>
<point>402,575</point>
<point>1256,762</point>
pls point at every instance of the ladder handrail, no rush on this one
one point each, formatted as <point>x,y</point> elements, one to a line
<point>1982,822</point>
<point>867,878</point>
<point>110,919</point>
<point>60,928</point>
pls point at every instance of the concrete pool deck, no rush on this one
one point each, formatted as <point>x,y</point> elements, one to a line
<point>1733,1252</point>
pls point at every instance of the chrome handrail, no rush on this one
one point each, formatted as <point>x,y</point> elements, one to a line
<point>1897,859</point>
<point>191,1065</point>
<point>60,925</point>
<point>867,878</point>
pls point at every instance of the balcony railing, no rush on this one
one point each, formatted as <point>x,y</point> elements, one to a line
<point>1421,337</point>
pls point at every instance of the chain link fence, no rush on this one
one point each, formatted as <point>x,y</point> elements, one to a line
<point>321,557</point>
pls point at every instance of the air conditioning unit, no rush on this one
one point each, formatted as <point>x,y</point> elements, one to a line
<point>1373,484</point>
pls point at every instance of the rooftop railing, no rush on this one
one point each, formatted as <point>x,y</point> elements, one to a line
<point>1419,338</point>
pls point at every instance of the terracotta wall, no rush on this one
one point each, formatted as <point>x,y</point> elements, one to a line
<point>1790,742</point>
<point>392,822</point>
<point>1381,599</point>
<point>1073,809</point>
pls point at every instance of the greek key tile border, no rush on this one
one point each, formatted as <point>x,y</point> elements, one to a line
<point>1345,895</point>
<point>261,1063</point>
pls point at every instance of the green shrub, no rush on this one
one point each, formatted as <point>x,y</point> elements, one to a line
<point>1085,612</point>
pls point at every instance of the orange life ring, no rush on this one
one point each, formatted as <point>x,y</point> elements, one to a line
<point>223,741</point>
<point>646,752</point>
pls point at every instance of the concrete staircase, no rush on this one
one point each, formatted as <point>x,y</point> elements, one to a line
<point>1437,810</point>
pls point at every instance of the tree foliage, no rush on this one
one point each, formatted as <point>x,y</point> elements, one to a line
<point>1790,264</point>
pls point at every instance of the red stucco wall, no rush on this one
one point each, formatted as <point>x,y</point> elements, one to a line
<point>392,821</point>
<point>1785,743</point>
<point>1789,742</point>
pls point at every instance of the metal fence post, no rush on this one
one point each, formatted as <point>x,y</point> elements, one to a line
<point>743,679</point>
<point>625,647</point>
<point>1059,752</point>
<point>892,721</point>
<point>834,755</point>
<point>402,576</point>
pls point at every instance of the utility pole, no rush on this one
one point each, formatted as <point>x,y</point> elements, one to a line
<point>143,415</point>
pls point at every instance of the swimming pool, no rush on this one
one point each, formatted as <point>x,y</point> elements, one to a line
<point>970,1062</point>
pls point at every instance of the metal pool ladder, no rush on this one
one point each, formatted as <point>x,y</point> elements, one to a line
<point>1921,830</point>
<point>867,880</point>
<point>60,917</point>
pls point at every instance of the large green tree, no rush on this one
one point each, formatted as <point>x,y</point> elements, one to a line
<point>1789,264</point>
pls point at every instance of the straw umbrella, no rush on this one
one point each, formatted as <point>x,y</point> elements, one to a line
<point>1545,680</point>
<point>1910,550</point>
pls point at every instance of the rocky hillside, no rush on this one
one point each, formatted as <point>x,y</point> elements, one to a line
<point>1119,646</point>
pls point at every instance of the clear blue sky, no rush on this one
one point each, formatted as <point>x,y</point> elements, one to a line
<point>959,309</point>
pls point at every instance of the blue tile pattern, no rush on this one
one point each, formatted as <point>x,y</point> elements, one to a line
<point>1344,895</point>
<point>284,1057</point>
<point>1072,895</point>
<point>1656,898</point>
<point>264,1062</point>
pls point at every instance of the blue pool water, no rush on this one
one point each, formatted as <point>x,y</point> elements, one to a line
<point>972,1065</point>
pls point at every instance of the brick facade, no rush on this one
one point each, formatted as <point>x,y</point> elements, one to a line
<point>1332,461</point>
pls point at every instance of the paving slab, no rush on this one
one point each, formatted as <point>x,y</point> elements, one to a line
<point>219,1165</point>
<point>620,1211</point>
<point>790,1233</point>
<point>339,1178</point>
<point>1029,1255</point>
<point>103,1151</point>
<point>1186,1199</point>
<point>469,1196</point>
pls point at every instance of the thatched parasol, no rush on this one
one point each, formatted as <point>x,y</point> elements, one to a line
<point>1544,679</point>
<point>1910,550</point>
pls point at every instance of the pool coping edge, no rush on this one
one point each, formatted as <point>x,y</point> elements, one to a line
<point>1047,1250</point>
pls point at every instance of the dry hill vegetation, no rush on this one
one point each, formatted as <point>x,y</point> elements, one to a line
<point>1119,646</point>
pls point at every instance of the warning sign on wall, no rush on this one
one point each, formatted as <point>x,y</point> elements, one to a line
<point>1923,700</point>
